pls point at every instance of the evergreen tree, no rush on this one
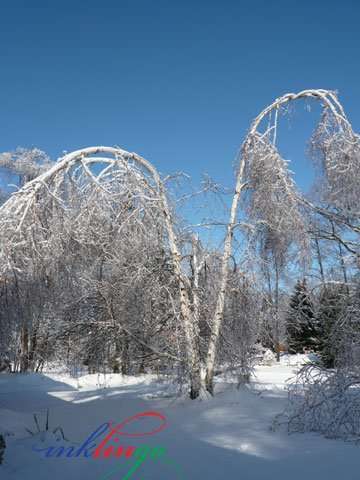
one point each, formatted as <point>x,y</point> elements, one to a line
<point>332,304</point>
<point>300,323</point>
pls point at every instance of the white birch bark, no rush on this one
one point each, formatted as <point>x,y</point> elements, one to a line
<point>220,304</point>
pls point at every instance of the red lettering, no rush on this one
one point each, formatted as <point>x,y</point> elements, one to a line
<point>119,430</point>
<point>108,452</point>
<point>119,451</point>
<point>129,451</point>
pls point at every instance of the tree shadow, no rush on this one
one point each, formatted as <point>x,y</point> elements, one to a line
<point>38,388</point>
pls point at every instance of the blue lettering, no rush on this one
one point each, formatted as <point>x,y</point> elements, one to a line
<point>88,444</point>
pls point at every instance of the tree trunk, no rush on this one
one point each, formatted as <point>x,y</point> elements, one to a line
<point>320,262</point>
<point>190,328</point>
<point>33,346</point>
<point>24,349</point>
<point>125,354</point>
<point>220,304</point>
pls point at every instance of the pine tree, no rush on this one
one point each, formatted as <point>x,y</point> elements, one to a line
<point>300,323</point>
<point>331,305</point>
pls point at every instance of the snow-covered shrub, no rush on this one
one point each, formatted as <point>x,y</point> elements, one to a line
<point>268,358</point>
<point>324,401</point>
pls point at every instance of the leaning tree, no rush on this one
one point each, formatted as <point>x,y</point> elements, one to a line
<point>76,201</point>
<point>270,196</point>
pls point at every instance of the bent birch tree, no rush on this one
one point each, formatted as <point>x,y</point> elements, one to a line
<point>33,220</point>
<point>272,198</point>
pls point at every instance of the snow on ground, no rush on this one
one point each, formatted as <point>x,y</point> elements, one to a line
<point>226,436</point>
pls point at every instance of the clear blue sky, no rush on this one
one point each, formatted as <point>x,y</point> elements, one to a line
<point>176,81</point>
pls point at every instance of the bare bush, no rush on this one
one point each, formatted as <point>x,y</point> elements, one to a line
<point>324,401</point>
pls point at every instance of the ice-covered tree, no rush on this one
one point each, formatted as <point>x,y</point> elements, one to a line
<point>19,167</point>
<point>273,204</point>
<point>89,203</point>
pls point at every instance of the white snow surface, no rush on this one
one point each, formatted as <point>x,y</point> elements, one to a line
<point>225,436</point>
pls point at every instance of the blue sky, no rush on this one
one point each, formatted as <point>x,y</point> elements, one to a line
<point>176,81</point>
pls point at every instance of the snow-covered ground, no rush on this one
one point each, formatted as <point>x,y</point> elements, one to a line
<point>228,436</point>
